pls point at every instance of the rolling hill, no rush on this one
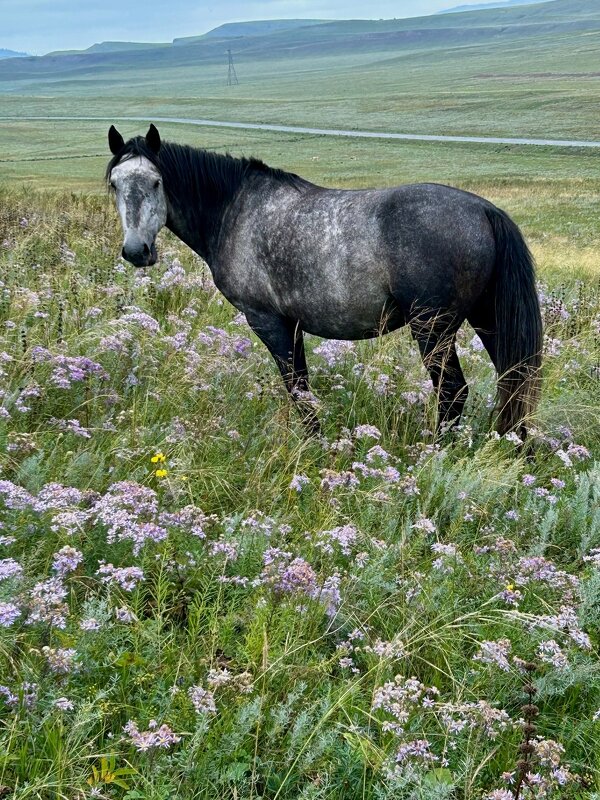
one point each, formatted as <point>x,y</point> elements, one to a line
<point>438,74</point>
<point>297,38</point>
<point>489,5</point>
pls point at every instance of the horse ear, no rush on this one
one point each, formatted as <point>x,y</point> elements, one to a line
<point>115,140</point>
<point>153,138</point>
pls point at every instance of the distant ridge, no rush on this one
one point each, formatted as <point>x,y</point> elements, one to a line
<point>492,4</point>
<point>12,53</point>
<point>111,47</point>
<point>232,30</point>
<point>300,38</point>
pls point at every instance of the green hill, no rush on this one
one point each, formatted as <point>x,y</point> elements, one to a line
<point>231,30</point>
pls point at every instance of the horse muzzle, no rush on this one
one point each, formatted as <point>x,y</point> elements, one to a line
<point>140,255</point>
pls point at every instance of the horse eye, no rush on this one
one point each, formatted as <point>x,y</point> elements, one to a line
<point>156,184</point>
<point>113,185</point>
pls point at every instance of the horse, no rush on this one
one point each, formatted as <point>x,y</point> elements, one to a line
<point>296,257</point>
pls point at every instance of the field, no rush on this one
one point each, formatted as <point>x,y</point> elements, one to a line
<point>198,601</point>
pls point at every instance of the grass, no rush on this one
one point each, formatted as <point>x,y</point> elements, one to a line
<point>294,717</point>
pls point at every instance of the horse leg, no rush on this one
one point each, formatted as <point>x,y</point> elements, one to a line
<point>284,339</point>
<point>483,322</point>
<point>438,351</point>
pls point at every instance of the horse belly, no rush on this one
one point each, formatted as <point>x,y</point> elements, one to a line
<point>364,315</point>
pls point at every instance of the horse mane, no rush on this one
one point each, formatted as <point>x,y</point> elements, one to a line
<point>193,169</point>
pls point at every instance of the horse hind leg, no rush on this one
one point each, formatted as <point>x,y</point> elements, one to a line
<point>437,344</point>
<point>483,321</point>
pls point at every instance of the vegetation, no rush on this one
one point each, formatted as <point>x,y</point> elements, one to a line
<point>197,601</point>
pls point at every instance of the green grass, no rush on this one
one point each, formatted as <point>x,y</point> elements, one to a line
<point>232,445</point>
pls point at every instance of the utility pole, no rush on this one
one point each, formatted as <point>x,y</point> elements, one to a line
<point>232,78</point>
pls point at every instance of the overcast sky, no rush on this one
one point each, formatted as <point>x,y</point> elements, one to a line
<point>39,26</point>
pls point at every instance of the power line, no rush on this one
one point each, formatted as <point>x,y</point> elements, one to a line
<point>232,78</point>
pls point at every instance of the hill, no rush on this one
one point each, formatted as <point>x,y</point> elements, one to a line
<point>232,30</point>
<point>445,74</point>
<point>486,6</point>
<point>300,38</point>
<point>11,53</point>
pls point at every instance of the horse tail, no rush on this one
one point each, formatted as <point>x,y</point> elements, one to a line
<point>519,333</point>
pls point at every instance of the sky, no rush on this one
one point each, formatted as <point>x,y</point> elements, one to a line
<point>40,26</point>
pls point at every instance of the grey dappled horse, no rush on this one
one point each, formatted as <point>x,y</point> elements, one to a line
<point>342,264</point>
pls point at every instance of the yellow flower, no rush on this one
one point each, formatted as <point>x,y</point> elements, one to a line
<point>158,458</point>
<point>161,473</point>
<point>510,587</point>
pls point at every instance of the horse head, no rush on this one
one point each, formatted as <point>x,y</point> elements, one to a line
<point>134,177</point>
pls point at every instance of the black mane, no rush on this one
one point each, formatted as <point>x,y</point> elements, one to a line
<point>190,169</point>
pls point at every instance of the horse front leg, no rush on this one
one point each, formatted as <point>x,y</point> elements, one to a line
<point>284,339</point>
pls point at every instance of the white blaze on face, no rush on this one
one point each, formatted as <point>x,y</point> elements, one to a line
<point>142,206</point>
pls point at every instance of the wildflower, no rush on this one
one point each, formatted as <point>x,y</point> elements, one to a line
<point>494,653</point>
<point>417,749</point>
<point>393,649</point>
<point>159,458</point>
<point>202,699</point>
<point>344,536</point>
<point>425,524</point>
<point>90,625</point>
<point>46,603</point>
<point>9,614</point>
<point>366,432</point>
<point>161,473</point>
<point>154,737</point>
<point>125,577</point>
<point>335,351</point>
<point>66,560</point>
<point>298,482</point>
<point>511,436</point>
<point>9,568</point>
<point>60,661</point>
<point>64,704</point>
<point>550,653</point>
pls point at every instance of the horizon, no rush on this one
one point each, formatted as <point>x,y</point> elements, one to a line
<point>112,23</point>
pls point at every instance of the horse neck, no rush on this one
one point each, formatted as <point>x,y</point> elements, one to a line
<point>196,210</point>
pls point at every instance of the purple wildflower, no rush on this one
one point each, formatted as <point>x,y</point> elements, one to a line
<point>60,660</point>
<point>202,699</point>
<point>495,653</point>
<point>66,560</point>
<point>9,568</point>
<point>143,741</point>
<point>125,577</point>
<point>9,614</point>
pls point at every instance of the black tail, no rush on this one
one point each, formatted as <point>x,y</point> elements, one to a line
<point>519,335</point>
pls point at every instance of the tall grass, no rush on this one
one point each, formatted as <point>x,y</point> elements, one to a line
<point>271,596</point>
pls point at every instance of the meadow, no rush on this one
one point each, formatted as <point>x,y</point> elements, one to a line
<point>197,600</point>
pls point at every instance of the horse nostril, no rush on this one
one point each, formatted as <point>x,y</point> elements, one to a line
<point>146,250</point>
<point>123,253</point>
